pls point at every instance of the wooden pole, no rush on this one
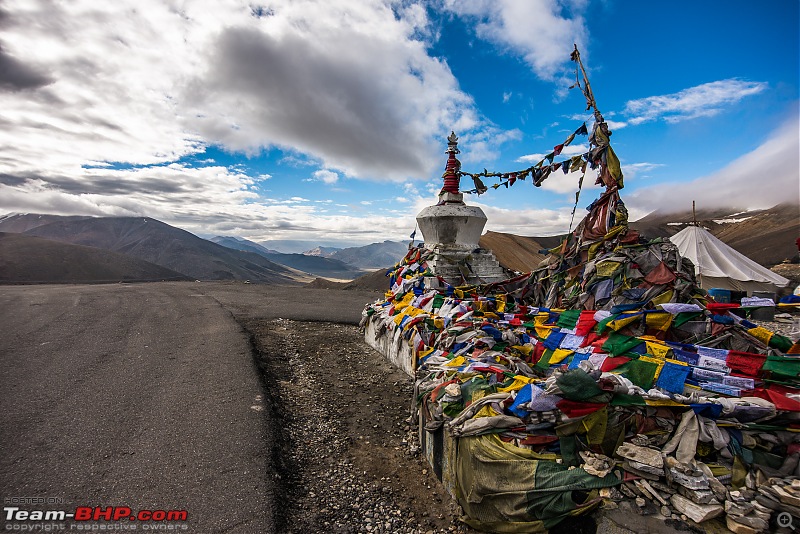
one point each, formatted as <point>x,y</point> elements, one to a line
<point>588,93</point>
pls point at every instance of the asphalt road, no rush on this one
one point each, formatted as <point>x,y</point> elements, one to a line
<point>145,396</point>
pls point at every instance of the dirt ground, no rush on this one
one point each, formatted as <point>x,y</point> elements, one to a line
<point>348,459</point>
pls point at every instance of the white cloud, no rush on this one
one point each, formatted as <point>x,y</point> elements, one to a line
<point>538,30</point>
<point>530,222</point>
<point>703,100</point>
<point>483,146</point>
<point>348,84</point>
<point>767,176</point>
<point>635,170</point>
<point>561,183</point>
<point>506,97</point>
<point>616,125</point>
<point>326,176</point>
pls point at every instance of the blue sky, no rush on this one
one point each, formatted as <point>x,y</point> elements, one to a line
<point>324,122</point>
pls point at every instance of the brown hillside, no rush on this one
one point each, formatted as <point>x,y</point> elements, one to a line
<point>324,283</point>
<point>768,237</point>
<point>515,253</point>
<point>29,259</point>
<point>375,281</point>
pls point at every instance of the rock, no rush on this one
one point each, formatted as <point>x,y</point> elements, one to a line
<point>642,455</point>
<point>753,522</point>
<point>627,491</point>
<point>629,467</point>
<point>739,528</point>
<point>652,491</point>
<point>663,488</point>
<point>786,497</point>
<point>640,502</point>
<point>717,487</point>
<point>698,496</point>
<point>689,481</point>
<point>760,509</point>
<point>768,502</point>
<point>643,490</point>
<point>696,512</point>
<point>743,508</point>
<point>665,511</point>
<point>610,505</point>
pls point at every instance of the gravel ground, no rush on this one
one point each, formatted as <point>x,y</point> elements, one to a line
<point>348,459</point>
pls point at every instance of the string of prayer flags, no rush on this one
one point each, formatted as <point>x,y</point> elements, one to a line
<point>539,172</point>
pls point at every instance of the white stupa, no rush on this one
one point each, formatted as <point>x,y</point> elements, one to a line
<point>451,229</point>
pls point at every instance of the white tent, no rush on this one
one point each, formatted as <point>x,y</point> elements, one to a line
<point>718,265</point>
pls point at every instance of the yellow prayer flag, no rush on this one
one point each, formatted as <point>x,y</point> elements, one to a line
<point>607,268</point>
<point>525,349</point>
<point>761,334</point>
<point>619,324</point>
<point>659,320</point>
<point>519,382</point>
<point>559,355</point>
<point>424,352</point>
<point>663,298</point>
<point>658,350</point>
<point>458,361</point>
<point>662,402</point>
<point>543,331</point>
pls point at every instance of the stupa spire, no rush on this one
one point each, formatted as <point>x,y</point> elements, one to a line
<point>452,179</point>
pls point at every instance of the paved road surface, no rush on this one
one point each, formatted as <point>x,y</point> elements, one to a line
<point>142,395</point>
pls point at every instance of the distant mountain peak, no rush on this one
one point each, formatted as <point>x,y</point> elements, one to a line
<point>324,252</point>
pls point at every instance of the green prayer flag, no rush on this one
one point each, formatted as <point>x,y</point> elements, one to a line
<point>618,344</point>
<point>568,318</point>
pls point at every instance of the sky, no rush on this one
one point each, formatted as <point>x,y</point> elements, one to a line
<point>324,122</point>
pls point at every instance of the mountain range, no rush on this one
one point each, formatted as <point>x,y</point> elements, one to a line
<point>36,247</point>
<point>327,267</point>
<point>152,241</point>
<point>373,256</point>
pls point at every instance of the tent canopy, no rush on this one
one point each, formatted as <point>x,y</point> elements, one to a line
<point>718,265</point>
